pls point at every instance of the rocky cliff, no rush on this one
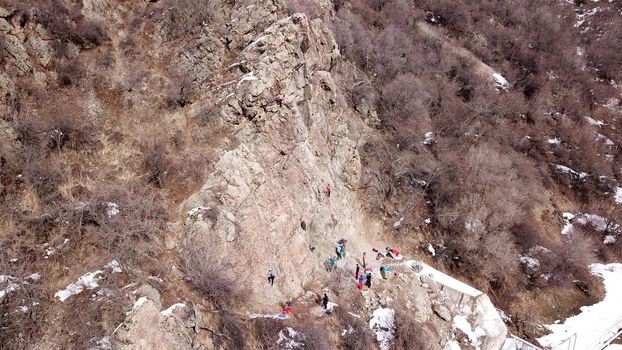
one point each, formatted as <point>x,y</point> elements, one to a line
<point>287,152</point>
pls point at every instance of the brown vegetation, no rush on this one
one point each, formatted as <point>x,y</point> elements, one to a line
<point>410,334</point>
<point>209,273</point>
<point>358,335</point>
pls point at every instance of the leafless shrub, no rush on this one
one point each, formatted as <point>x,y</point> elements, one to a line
<point>129,222</point>
<point>64,22</point>
<point>496,198</point>
<point>91,33</point>
<point>46,176</point>
<point>158,163</point>
<point>207,273</point>
<point>452,14</point>
<point>186,17</point>
<point>357,336</point>
<point>267,330</point>
<point>177,95</point>
<point>208,115</point>
<point>24,314</point>
<point>66,128</point>
<point>58,125</point>
<point>569,261</point>
<point>314,335</point>
<point>404,99</point>
<point>2,48</point>
<point>410,334</point>
<point>309,8</point>
<point>234,330</point>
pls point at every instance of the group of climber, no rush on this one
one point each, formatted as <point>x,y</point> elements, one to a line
<point>340,251</point>
<point>363,277</point>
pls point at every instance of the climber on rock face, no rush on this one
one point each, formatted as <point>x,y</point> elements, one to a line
<point>364,262</point>
<point>330,263</point>
<point>279,99</point>
<point>289,309</point>
<point>329,189</point>
<point>341,251</point>
<point>356,274</point>
<point>271,276</point>
<point>368,279</point>
<point>361,280</point>
<point>325,298</point>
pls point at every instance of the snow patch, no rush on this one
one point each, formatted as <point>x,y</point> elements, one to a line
<point>617,196</point>
<point>475,226</point>
<point>140,302</point>
<point>428,138</point>
<point>567,170</point>
<point>346,331</point>
<point>609,239</point>
<point>10,287</point>
<point>12,283</point>
<point>555,141</point>
<point>112,209</point>
<point>254,316</point>
<point>87,281</point>
<point>582,17</point>
<point>51,251</point>
<point>431,249</point>
<point>441,278</point>
<point>246,77</point>
<point>287,339</point>
<point>382,322</point>
<point>601,137</point>
<point>568,227</point>
<point>504,316</point>
<point>500,81</point>
<point>597,222</point>
<point>398,223</point>
<point>532,263</point>
<point>580,51</point>
<point>115,266</point>
<point>35,276</point>
<point>596,323</point>
<point>461,323</point>
<point>592,121</point>
<point>102,344</point>
<point>452,345</point>
<point>196,214</point>
<point>170,310</point>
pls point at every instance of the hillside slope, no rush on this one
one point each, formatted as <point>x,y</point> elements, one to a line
<point>157,158</point>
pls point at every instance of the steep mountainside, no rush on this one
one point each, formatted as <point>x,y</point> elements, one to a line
<point>157,158</point>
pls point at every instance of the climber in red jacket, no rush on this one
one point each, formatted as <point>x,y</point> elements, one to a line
<point>289,309</point>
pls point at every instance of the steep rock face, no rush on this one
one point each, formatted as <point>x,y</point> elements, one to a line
<point>286,155</point>
<point>146,327</point>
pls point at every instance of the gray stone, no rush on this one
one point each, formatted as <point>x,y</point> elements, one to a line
<point>441,311</point>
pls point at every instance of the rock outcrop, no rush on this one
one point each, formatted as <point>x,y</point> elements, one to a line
<point>296,136</point>
<point>147,327</point>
